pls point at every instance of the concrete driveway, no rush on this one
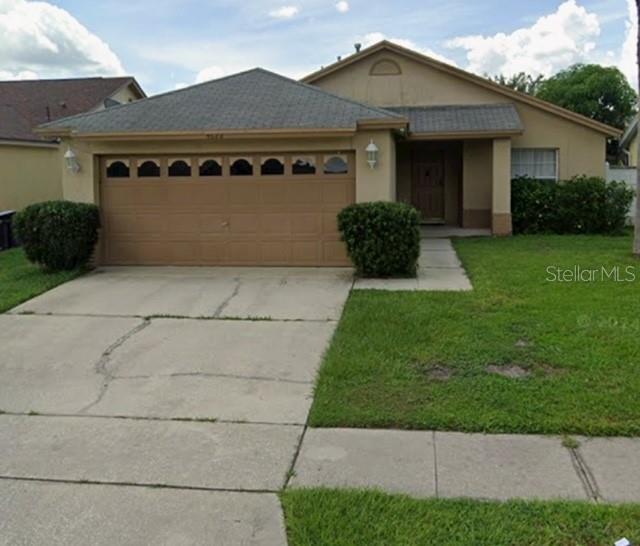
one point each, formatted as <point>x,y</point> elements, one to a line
<point>159,405</point>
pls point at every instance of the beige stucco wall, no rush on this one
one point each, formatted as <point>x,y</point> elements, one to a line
<point>581,150</point>
<point>501,187</point>
<point>371,184</point>
<point>29,175</point>
<point>477,176</point>
<point>378,184</point>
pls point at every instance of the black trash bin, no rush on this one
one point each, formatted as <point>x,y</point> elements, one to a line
<point>6,234</point>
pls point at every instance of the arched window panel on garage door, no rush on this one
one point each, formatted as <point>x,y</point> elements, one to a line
<point>118,168</point>
<point>148,168</point>
<point>336,164</point>
<point>241,166</point>
<point>179,167</point>
<point>303,164</point>
<point>210,166</point>
<point>272,166</point>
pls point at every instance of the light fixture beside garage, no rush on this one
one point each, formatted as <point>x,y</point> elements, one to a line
<point>72,161</point>
<point>372,154</point>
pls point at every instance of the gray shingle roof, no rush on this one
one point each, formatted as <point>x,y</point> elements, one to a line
<point>252,100</point>
<point>462,118</point>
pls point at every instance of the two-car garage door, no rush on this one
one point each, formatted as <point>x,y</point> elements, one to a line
<point>243,209</point>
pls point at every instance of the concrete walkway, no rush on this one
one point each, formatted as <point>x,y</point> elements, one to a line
<point>439,269</point>
<point>452,464</point>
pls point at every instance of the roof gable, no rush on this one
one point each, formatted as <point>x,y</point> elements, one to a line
<point>484,85</point>
<point>255,100</point>
<point>25,104</point>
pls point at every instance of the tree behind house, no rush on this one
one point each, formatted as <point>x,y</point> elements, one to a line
<point>599,92</point>
<point>523,82</point>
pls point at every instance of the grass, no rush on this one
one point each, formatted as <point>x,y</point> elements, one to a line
<point>20,280</point>
<point>323,517</point>
<point>419,359</point>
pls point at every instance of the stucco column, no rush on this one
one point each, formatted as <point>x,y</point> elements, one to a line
<point>378,184</point>
<point>501,187</point>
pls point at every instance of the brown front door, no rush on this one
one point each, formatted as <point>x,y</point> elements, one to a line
<point>428,187</point>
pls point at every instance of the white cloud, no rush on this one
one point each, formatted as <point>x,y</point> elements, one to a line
<point>629,58</point>
<point>22,75</point>
<point>552,43</point>
<point>342,6</point>
<point>285,12</point>
<point>40,38</point>
<point>210,73</point>
<point>375,37</point>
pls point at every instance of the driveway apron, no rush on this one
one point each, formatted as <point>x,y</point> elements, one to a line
<point>160,405</point>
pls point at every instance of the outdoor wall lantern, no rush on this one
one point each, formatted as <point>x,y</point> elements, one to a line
<point>372,154</point>
<point>72,161</point>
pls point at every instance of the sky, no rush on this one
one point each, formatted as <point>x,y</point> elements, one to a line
<point>168,44</point>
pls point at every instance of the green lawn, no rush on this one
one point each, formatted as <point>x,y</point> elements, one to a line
<point>352,518</point>
<point>419,360</point>
<point>20,280</point>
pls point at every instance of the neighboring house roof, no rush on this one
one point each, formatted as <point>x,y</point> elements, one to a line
<point>629,133</point>
<point>457,72</point>
<point>25,104</point>
<point>255,100</point>
<point>462,119</point>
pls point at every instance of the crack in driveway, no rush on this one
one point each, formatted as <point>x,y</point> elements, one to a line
<point>224,304</point>
<point>100,366</point>
<point>212,374</point>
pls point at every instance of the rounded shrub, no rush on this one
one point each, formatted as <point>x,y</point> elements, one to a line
<point>58,235</point>
<point>383,239</point>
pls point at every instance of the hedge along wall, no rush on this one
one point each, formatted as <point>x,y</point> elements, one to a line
<point>580,205</point>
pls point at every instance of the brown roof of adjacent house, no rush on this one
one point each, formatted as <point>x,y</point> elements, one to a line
<point>25,104</point>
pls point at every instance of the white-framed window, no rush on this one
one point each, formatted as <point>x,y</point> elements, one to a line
<point>541,163</point>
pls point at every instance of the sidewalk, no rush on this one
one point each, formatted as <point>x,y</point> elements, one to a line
<point>453,464</point>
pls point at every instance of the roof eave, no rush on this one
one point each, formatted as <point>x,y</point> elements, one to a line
<point>383,123</point>
<point>27,143</point>
<point>483,82</point>
<point>629,134</point>
<point>212,134</point>
<point>461,135</point>
<point>54,132</point>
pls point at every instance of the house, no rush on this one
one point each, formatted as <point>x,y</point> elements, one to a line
<point>628,145</point>
<point>251,169</point>
<point>30,165</point>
